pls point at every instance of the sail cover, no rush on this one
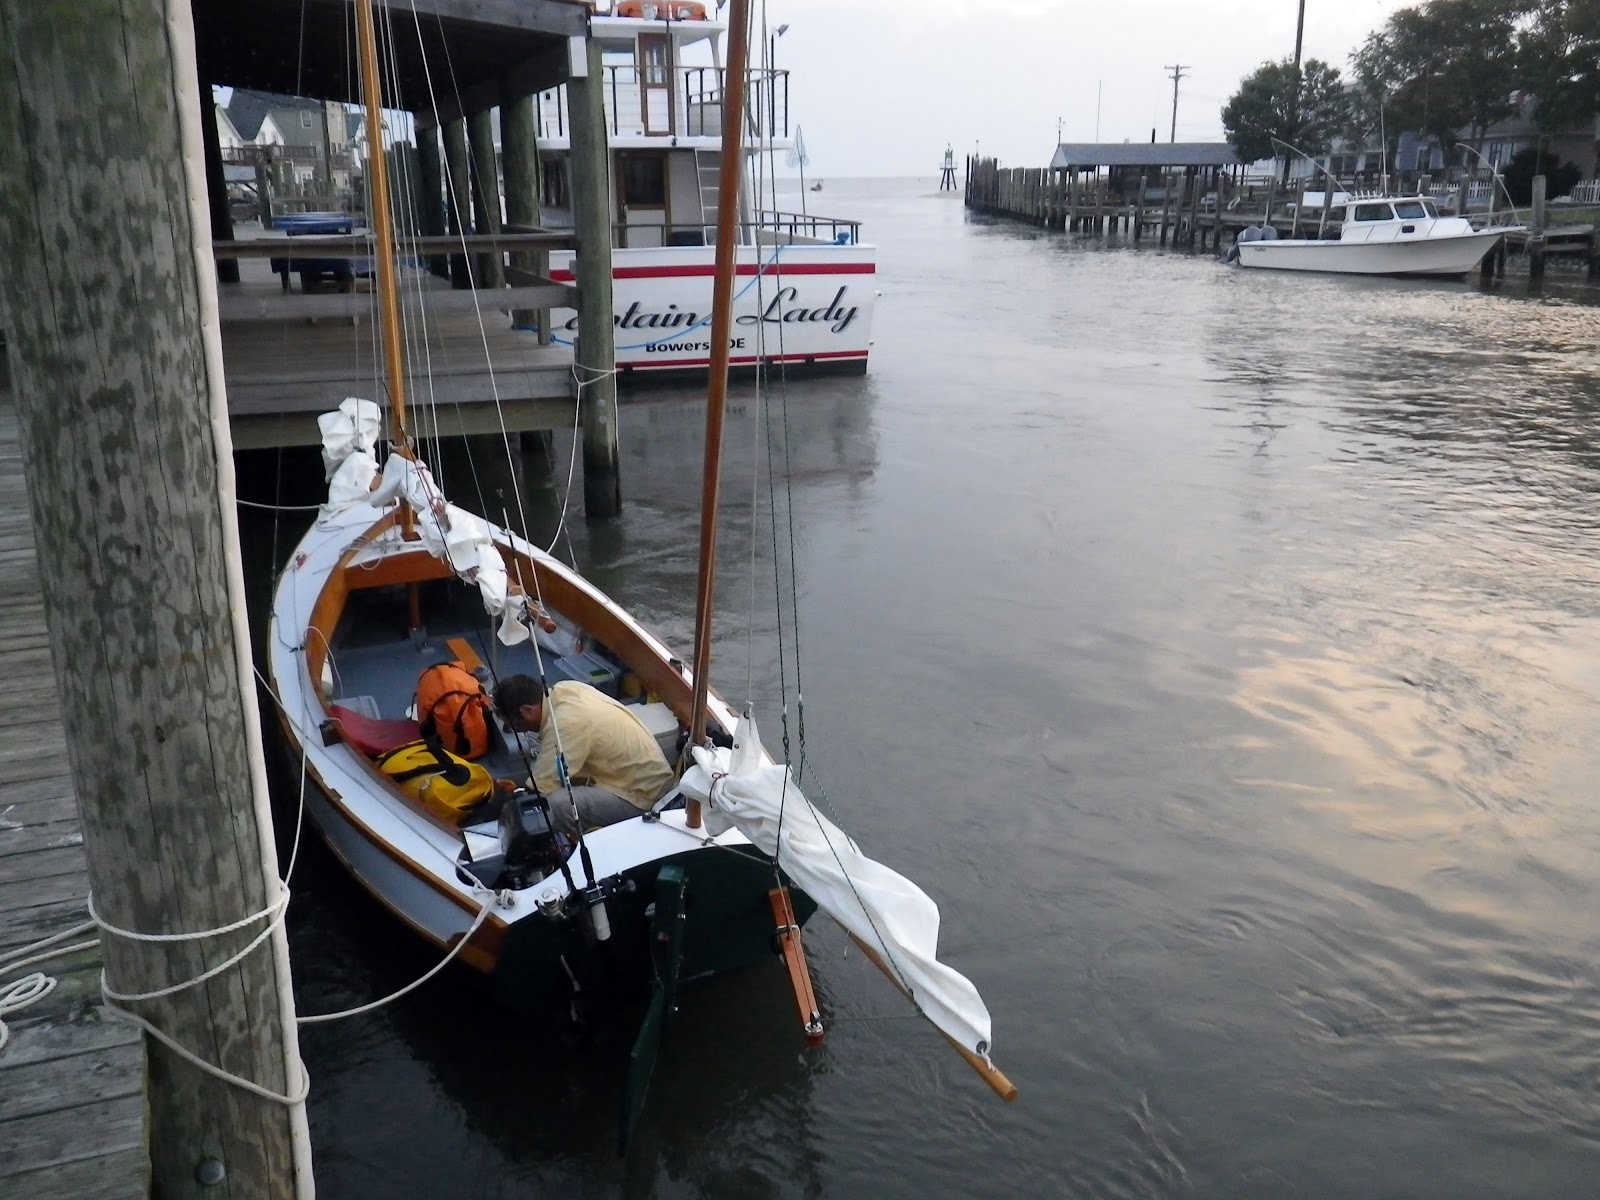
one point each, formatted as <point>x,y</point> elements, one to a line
<point>885,910</point>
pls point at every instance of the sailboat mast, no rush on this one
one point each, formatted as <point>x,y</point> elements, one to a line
<point>378,190</point>
<point>733,93</point>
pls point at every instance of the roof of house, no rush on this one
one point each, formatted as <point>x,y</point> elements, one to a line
<point>1144,154</point>
<point>248,109</point>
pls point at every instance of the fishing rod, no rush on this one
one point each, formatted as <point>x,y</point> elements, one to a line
<point>1495,179</point>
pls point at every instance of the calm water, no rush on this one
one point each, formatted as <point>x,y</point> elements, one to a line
<point>1218,650</point>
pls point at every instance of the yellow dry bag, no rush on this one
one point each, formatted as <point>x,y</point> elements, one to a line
<point>445,784</point>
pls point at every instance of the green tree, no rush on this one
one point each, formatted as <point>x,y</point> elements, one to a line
<point>1559,176</point>
<point>1442,67</point>
<point>1281,106</point>
<point>1558,60</point>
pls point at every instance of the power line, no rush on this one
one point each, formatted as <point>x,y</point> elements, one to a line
<point>1177,74</point>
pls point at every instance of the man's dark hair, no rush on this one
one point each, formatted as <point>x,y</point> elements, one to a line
<point>514,692</point>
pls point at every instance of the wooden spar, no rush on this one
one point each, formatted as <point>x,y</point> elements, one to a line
<point>717,385</point>
<point>378,189</point>
<point>794,957</point>
<point>991,1074</point>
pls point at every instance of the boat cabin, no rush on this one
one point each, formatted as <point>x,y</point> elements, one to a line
<point>663,88</point>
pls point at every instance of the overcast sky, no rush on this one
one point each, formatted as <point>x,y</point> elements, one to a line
<point>880,86</point>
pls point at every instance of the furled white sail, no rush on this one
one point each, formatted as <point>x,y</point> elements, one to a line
<point>886,911</point>
<point>448,532</point>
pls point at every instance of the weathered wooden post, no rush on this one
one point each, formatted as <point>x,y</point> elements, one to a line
<point>595,352</point>
<point>457,195</point>
<point>430,179</point>
<point>485,196</point>
<point>1593,274</point>
<point>110,293</point>
<point>1166,204</point>
<point>1193,184</point>
<point>217,188</point>
<point>1536,236</point>
<point>263,192</point>
<point>519,146</point>
<point>1138,208</point>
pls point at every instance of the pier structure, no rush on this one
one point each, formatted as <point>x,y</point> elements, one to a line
<point>1191,195</point>
<point>480,336</point>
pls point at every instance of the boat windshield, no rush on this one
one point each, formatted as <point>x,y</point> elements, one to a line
<point>1372,212</point>
<point>1410,210</point>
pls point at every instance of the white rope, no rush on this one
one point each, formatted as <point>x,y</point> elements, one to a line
<point>298,1096</point>
<point>483,914</point>
<point>19,995</point>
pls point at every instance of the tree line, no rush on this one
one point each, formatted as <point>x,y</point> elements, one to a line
<point>1435,69</point>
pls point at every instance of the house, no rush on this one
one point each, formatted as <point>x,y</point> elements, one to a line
<point>313,136</point>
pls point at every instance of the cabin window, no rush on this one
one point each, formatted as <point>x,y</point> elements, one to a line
<point>644,181</point>
<point>654,61</point>
<point>1430,208</point>
<point>1373,212</point>
<point>305,120</point>
<point>1410,210</point>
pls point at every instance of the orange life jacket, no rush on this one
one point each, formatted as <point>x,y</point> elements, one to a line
<point>451,705</point>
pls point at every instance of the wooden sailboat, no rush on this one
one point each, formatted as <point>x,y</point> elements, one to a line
<point>392,578</point>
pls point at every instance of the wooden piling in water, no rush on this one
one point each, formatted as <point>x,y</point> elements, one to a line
<point>457,194</point>
<point>1166,204</point>
<point>1536,238</point>
<point>117,372</point>
<point>595,351</point>
<point>430,180</point>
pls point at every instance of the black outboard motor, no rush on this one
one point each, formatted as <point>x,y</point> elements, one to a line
<point>532,849</point>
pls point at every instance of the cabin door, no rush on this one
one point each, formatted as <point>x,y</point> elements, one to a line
<point>655,83</point>
<point>642,197</point>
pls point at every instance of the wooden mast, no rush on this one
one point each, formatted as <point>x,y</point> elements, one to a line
<point>378,190</point>
<point>733,91</point>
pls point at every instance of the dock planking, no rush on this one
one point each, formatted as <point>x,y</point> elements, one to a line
<point>72,1080</point>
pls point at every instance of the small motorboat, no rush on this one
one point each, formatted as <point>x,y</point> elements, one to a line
<point>1380,235</point>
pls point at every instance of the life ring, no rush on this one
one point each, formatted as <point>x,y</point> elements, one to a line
<point>664,10</point>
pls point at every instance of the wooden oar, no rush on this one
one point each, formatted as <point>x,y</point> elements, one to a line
<point>992,1075</point>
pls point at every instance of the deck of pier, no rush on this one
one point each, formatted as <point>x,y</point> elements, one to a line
<point>289,356</point>
<point>72,1081</point>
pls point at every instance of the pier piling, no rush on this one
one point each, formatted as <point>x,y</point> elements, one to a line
<point>117,373</point>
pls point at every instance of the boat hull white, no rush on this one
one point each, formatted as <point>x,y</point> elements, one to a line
<point>808,306</point>
<point>1451,255</point>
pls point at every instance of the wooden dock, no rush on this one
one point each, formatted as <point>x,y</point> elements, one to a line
<point>1178,210</point>
<point>290,356</point>
<point>72,1081</point>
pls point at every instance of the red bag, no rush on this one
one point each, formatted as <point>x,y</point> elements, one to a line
<point>452,706</point>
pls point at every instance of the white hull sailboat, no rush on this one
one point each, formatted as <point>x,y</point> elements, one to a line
<point>727,866</point>
<point>1380,236</point>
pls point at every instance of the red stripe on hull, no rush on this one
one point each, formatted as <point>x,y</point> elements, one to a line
<point>695,272</point>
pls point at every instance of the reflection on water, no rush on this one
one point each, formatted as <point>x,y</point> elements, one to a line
<point>1217,648</point>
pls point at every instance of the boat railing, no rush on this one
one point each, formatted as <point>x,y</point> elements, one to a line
<point>769,229</point>
<point>808,227</point>
<point>686,102</point>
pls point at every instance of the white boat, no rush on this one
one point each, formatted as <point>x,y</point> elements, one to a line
<point>806,282</point>
<point>1387,235</point>
<point>721,872</point>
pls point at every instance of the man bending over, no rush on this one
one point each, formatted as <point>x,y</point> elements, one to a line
<point>615,765</point>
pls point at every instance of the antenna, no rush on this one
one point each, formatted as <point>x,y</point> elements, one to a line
<point>1177,74</point>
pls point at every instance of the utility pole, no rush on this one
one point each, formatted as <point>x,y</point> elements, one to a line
<point>1177,74</point>
<point>1299,34</point>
